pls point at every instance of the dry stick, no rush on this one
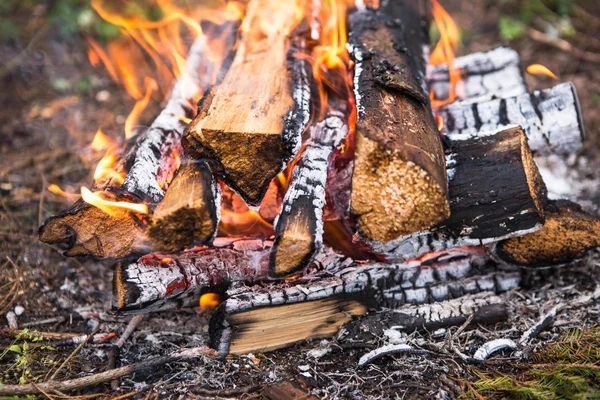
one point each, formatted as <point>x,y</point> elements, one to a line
<point>86,230</point>
<point>249,128</point>
<point>79,383</point>
<point>496,73</point>
<point>399,184</point>
<point>299,225</point>
<point>563,45</point>
<point>116,348</point>
<point>551,118</point>
<point>83,343</point>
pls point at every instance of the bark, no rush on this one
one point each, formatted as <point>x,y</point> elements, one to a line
<point>251,124</point>
<point>496,73</point>
<point>398,148</point>
<point>551,118</point>
<point>568,234</point>
<point>189,213</point>
<point>299,226</point>
<point>83,229</point>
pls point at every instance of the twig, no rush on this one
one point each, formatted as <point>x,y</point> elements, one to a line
<point>544,322</point>
<point>563,45</point>
<point>87,339</point>
<point>78,383</point>
<point>115,350</point>
<point>226,392</point>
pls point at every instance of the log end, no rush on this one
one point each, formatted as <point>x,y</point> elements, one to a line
<point>271,328</point>
<point>293,249</point>
<point>392,197</point>
<point>85,230</point>
<point>568,234</point>
<point>188,213</point>
<point>247,161</point>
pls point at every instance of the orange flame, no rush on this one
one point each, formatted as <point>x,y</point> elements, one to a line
<point>101,141</point>
<point>209,301</point>
<point>439,120</point>
<point>539,69</point>
<point>55,189</point>
<point>109,206</point>
<point>444,52</point>
<point>139,107</point>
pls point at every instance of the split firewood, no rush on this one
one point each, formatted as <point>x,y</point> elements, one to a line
<point>551,118</point>
<point>496,192</point>
<point>568,234</point>
<point>299,226</point>
<point>86,230</point>
<point>250,126</point>
<point>399,184</point>
<point>189,213</point>
<point>496,73</point>
<point>319,313</point>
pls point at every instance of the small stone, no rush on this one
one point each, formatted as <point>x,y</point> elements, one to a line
<point>303,368</point>
<point>19,310</point>
<point>103,96</point>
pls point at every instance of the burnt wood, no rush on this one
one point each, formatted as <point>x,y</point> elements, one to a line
<point>568,234</point>
<point>551,118</point>
<point>84,230</point>
<point>299,225</point>
<point>398,148</point>
<point>189,213</point>
<point>496,73</point>
<point>250,125</point>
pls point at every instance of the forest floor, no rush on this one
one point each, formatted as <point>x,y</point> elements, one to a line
<point>51,103</point>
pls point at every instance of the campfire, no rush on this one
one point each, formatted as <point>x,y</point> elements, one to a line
<point>332,165</point>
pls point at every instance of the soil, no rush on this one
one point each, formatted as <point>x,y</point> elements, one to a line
<point>51,103</point>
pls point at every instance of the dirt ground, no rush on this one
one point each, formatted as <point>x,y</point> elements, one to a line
<point>51,103</point>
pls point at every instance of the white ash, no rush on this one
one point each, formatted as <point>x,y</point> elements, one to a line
<point>489,348</point>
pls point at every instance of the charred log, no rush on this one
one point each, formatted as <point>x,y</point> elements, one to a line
<point>86,230</point>
<point>299,226</point>
<point>398,148</point>
<point>496,73</point>
<point>189,213</point>
<point>251,124</point>
<point>551,118</point>
<point>496,192</point>
<point>568,234</point>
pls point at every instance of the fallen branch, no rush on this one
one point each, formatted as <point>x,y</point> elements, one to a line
<point>563,45</point>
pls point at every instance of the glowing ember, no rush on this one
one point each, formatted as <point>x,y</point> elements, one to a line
<point>114,208</point>
<point>209,301</point>
<point>444,52</point>
<point>539,69</point>
<point>439,121</point>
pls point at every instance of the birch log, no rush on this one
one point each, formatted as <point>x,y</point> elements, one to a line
<point>496,73</point>
<point>251,124</point>
<point>551,118</point>
<point>399,184</point>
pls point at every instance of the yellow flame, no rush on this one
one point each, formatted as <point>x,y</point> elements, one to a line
<point>101,141</point>
<point>140,106</point>
<point>539,69</point>
<point>445,50</point>
<point>114,208</point>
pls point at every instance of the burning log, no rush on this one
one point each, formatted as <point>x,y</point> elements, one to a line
<point>299,226</point>
<point>398,148</point>
<point>251,124</point>
<point>189,213</point>
<point>568,234</point>
<point>551,118</point>
<point>496,73</point>
<point>496,193</point>
<point>86,230</point>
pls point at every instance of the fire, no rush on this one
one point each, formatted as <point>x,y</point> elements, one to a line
<point>140,106</point>
<point>439,121</point>
<point>444,52</point>
<point>109,206</point>
<point>209,301</point>
<point>55,189</point>
<point>539,69</point>
<point>101,141</point>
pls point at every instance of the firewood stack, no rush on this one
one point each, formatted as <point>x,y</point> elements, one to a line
<point>422,213</point>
